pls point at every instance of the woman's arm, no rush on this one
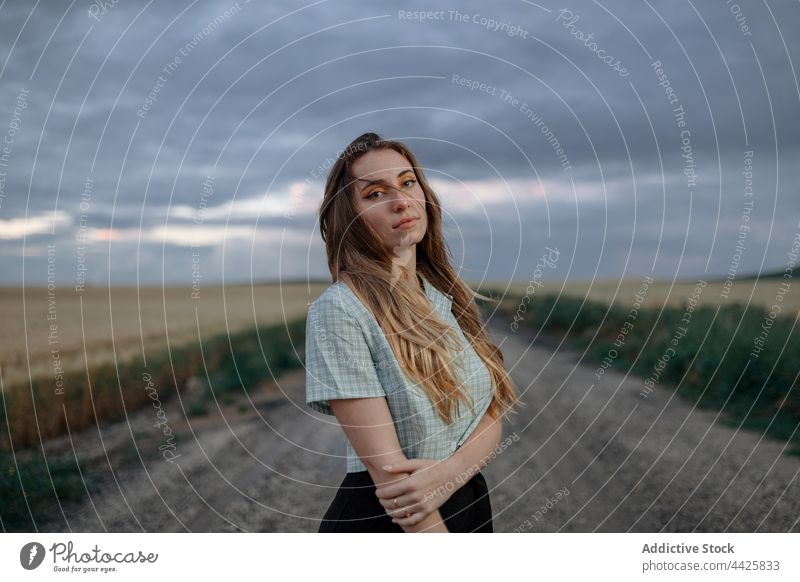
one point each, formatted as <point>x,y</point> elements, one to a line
<point>476,451</point>
<point>369,426</point>
<point>434,482</point>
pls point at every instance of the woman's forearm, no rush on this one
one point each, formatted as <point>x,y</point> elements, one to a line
<point>475,453</point>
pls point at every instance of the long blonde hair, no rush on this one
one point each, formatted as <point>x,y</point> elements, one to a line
<point>413,329</point>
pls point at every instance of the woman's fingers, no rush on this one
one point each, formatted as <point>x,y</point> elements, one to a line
<point>393,508</point>
<point>395,488</point>
<point>406,521</point>
<point>389,503</point>
<point>399,510</point>
<point>409,465</point>
<point>416,510</point>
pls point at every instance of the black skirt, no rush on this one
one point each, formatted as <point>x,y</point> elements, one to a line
<point>356,508</point>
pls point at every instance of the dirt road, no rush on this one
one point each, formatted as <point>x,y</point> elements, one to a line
<point>590,456</point>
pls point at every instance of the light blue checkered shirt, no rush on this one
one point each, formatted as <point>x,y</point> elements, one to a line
<point>348,356</point>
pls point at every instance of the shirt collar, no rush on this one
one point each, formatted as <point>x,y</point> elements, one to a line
<point>440,300</point>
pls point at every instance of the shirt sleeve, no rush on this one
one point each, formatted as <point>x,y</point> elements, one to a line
<point>338,363</point>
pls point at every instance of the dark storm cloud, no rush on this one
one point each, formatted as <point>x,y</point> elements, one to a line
<point>266,93</point>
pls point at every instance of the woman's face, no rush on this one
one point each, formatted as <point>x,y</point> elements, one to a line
<point>386,193</point>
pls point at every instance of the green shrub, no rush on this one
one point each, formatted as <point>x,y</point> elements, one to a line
<point>44,484</point>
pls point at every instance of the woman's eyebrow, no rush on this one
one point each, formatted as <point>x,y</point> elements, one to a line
<point>380,181</point>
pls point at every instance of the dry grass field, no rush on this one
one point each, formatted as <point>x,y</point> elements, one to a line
<point>105,325</point>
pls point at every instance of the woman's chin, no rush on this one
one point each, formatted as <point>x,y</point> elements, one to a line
<point>411,237</point>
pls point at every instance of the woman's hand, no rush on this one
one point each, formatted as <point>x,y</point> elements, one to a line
<point>429,485</point>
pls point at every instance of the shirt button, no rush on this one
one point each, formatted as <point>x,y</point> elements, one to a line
<point>455,446</point>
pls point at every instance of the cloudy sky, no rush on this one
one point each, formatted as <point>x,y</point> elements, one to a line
<point>153,142</point>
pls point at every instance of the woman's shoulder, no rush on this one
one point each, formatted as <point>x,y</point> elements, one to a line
<point>337,298</point>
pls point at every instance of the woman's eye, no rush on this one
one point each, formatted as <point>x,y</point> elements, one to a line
<point>372,194</point>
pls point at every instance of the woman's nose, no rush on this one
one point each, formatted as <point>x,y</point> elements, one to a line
<point>402,203</point>
<point>401,200</point>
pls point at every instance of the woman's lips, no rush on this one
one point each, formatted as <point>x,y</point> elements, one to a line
<point>407,223</point>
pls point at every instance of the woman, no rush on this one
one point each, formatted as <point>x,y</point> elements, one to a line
<point>396,350</point>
